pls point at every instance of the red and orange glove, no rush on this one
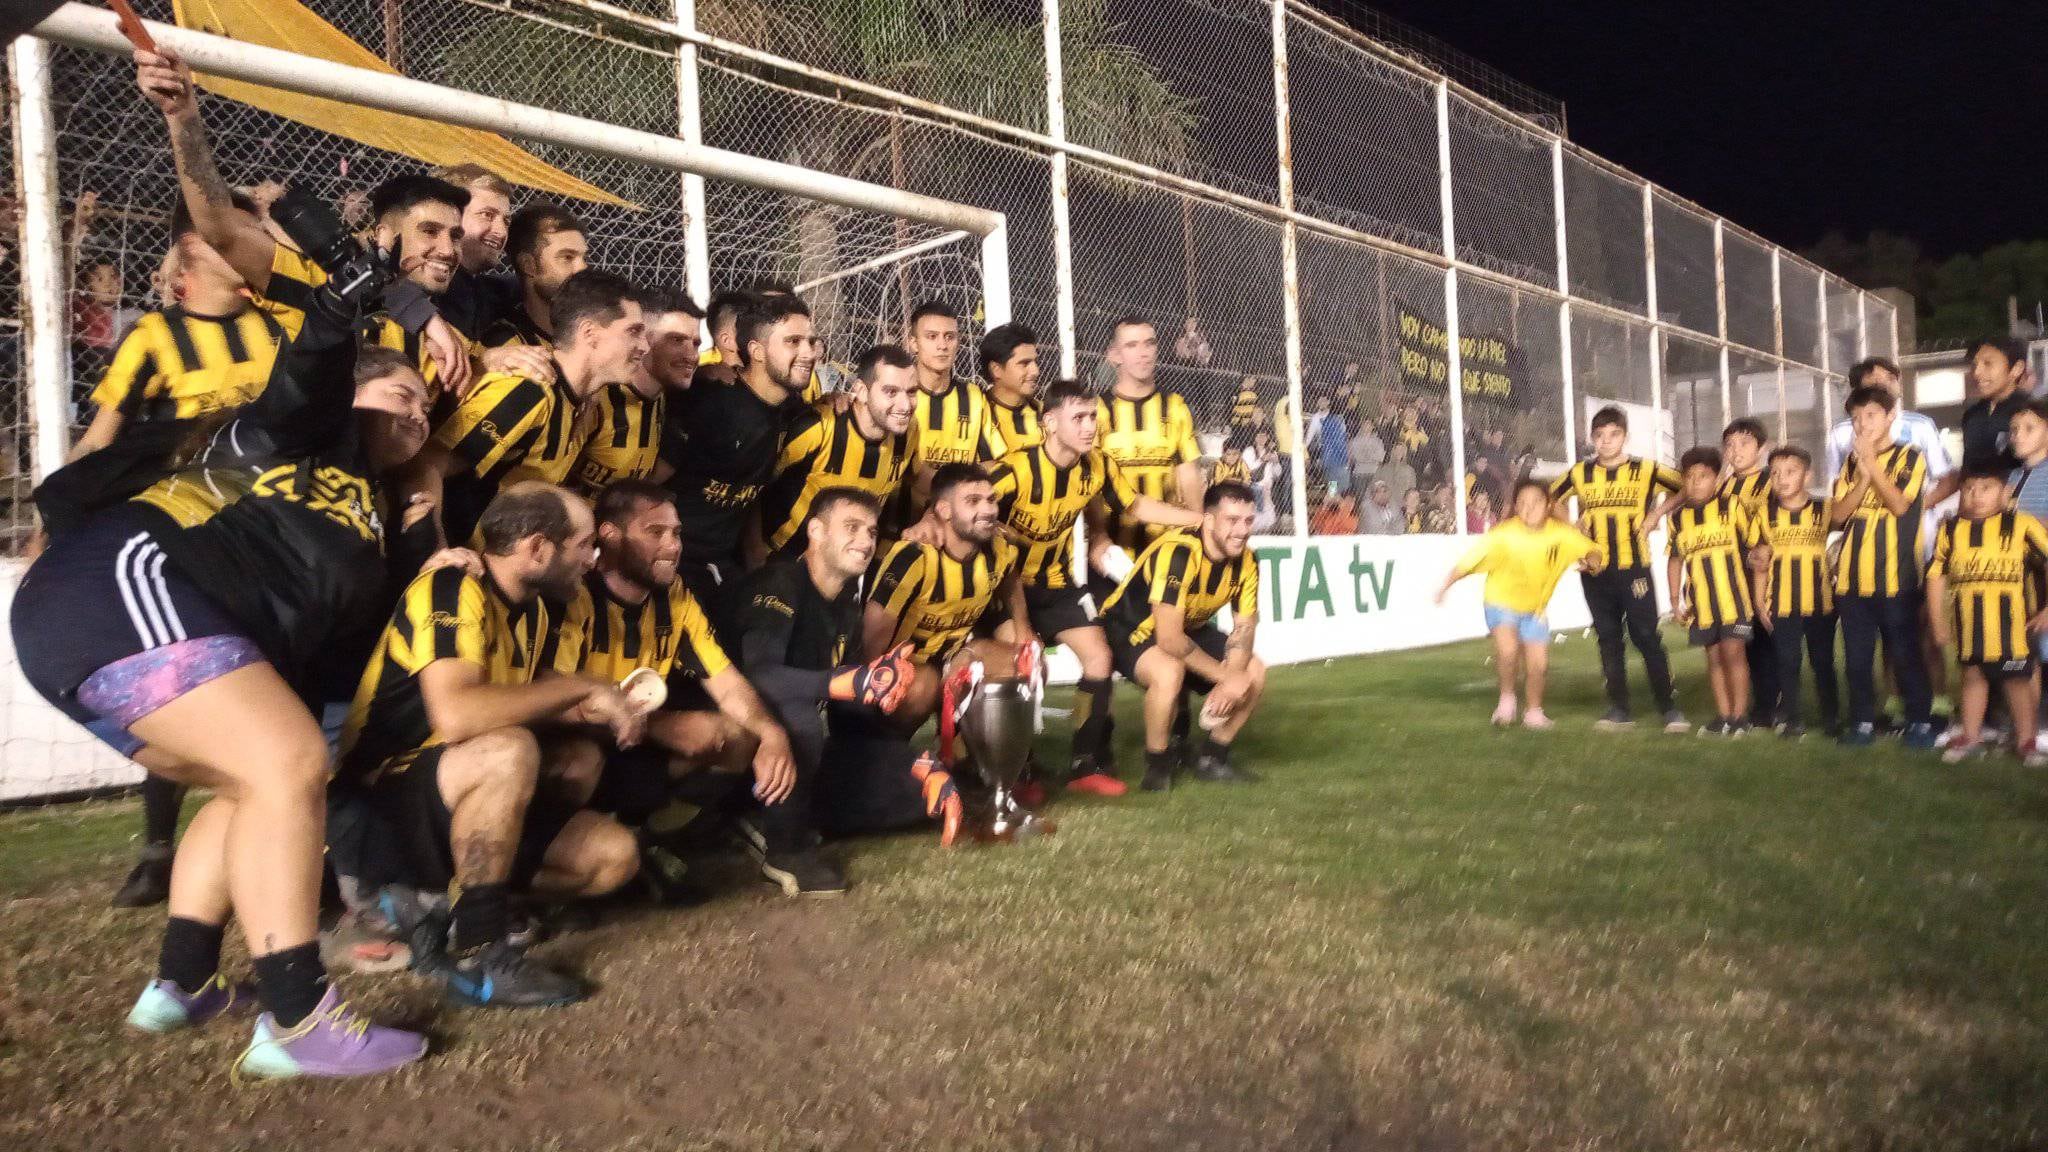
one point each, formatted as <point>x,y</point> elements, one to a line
<point>879,683</point>
<point>941,797</point>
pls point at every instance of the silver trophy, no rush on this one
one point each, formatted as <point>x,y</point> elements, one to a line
<point>997,721</point>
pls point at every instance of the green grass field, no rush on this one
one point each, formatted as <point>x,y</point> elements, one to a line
<point>1418,932</point>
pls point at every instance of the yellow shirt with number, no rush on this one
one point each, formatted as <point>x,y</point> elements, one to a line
<point>1524,564</point>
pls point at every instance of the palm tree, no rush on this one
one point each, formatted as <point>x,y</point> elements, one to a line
<point>958,53</point>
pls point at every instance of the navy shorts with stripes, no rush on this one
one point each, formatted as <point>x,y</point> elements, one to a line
<point>106,593</point>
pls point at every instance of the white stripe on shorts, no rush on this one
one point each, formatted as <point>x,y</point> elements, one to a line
<point>129,597</point>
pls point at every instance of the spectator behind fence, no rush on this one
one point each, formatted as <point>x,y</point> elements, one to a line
<point>1397,473</point>
<point>1328,436</point>
<point>1379,515</point>
<point>1413,518</point>
<point>1193,346</point>
<point>1479,512</point>
<point>1367,452</point>
<point>1244,409</point>
<point>1441,519</point>
<point>1336,516</point>
<point>1283,445</point>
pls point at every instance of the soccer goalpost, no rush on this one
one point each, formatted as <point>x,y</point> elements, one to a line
<point>883,240</point>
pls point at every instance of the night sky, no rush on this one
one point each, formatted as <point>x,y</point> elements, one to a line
<point>1926,118</point>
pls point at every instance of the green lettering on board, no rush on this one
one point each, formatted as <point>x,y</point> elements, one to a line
<point>1271,561</point>
<point>1314,585</point>
<point>1367,575</point>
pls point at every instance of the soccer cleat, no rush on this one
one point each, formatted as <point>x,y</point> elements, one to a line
<point>1715,727</point>
<point>331,1041</point>
<point>527,929</point>
<point>164,1007</point>
<point>502,976</point>
<point>1088,776</point>
<point>421,922</point>
<point>1675,722</point>
<point>1217,770</point>
<point>1615,720</point>
<point>1504,713</point>
<point>1030,793</point>
<point>1739,727</point>
<point>803,874</point>
<point>1918,736</point>
<point>665,877</point>
<point>1792,730</point>
<point>2035,760</point>
<point>1156,779</point>
<point>1960,750</point>
<point>1859,735</point>
<point>1538,720</point>
<point>149,882</point>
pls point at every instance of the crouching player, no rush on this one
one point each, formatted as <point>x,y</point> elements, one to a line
<point>1162,635</point>
<point>1985,558</point>
<point>1524,558</point>
<point>1795,599</point>
<point>633,612</point>
<point>441,733</point>
<point>1710,584</point>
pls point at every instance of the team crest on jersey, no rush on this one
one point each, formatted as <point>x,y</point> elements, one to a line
<point>1640,589</point>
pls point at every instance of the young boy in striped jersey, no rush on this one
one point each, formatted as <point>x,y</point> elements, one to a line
<point>1987,557</point>
<point>1794,590</point>
<point>1710,535</point>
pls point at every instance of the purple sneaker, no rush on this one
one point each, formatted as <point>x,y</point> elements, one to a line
<point>331,1041</point>
<point>164,1007</point>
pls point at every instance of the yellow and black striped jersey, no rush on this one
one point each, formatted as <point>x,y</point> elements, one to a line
<point>624,439</point>
<point>954,426</point>
<point>1709,541</point>
<point>445,614</point>
<point>1880,551</point>
<point>507,429</point>
<point>1040,501</point>
<point>1613,502</point>
<point>1750,489</point>
<point>1176,569</point>
<point>179,365</point>
<point>293,277</point>
<point>1013,429</point>
<point>1798,539</point>
<point>1149,439</point>
<point>826,449</point>
<point>606,637</point>
<point>1225,471</point>
<point>1990,566</point>
<point>514,326</point>
<point>936,598</point>
<point>1244,408</point>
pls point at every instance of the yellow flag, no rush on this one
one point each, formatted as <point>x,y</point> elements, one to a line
<point>292,27</point>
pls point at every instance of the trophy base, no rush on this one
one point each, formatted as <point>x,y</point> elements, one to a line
<point>1020,827</point>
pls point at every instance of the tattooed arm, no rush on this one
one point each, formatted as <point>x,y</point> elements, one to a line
<point>1237,653</point>
<point>236,235</point>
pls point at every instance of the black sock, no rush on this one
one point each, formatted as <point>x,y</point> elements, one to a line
<point>1182,719</point>
<point>161,800</point>
<point>483,916</point>
<point>1091,718</point>
<point>1211,750</point>
<point>1158,763</point>
<point>291,983</point>
<point>191,953</point>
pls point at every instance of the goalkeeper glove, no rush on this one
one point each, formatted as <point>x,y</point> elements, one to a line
<point>941,797</point>
<point>879,683</point>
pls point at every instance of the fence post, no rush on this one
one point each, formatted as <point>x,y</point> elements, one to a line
<point>1453,355</point>
<point>690,119</point>
<point>1564,305</point>
<point>1656,318</point>
<point>1290,271</point>
<point>1721,323</point>
<point>1778,338</point>
<point>1862,327</point>
<point>1062,233</point>
<point>43,288</point>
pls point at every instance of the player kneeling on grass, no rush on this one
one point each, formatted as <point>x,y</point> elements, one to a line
<point>1710,584</point>
<point>1524,558</point>
<point>1162,634</point>
<point>1984,560</point>
<point>441,733</point>
<point>634,617</point>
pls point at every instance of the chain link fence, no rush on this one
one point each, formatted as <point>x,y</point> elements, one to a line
<point>1177,208</point>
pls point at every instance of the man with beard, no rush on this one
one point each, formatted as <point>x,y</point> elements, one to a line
<point>633,613</point>
<point>797,625</point>
<point>865,445</point>
<point>1162,635</point>
<point>548,247</point>
<point>442,733</point>
<point>721,442</point>
<point>511,427</point>
<point>625,436</point>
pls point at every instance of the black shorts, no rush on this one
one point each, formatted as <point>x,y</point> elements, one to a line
<point>1715,633</point>
<point>1208,638</point>
<point>99,595</point>
<point>1050,610</point>
<point>407,801</point>
<point>2020,669</point>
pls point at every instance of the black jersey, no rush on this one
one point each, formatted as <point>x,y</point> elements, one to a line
<point>722,440</point>
<point>475,301</point>
<point>791,636</point>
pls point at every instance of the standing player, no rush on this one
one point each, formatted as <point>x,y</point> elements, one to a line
<point>1009,361</point>
<point>1709,581</point>
<point>1162,636</point>
<point>1524,557</point>
<point>511,428</point>
<point>1988,556</point>
<point>548,247</point>
<point>1996,369</point>
<point>1042,491</point>
<point>627,417</point>
<point>722,441</point>
<point>954,424</point>
<point>866,445</point>
<point>442,734</point>
<point>1749,481</point>
<point>1615,492</point>
<point>1876,505</point>
<point>1795,600</point>
<point>1149,433</point>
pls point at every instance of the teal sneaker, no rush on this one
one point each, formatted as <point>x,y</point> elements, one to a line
<point>164,1007</point>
